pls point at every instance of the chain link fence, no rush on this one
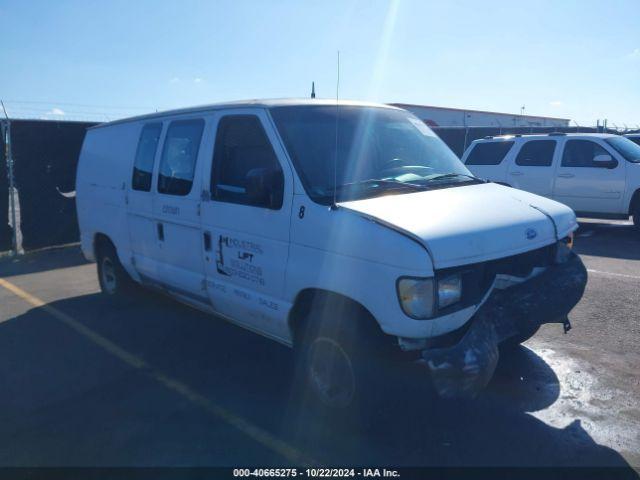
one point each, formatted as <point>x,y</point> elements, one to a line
<point>45,156</point>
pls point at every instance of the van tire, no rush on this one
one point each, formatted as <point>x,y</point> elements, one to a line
<point>113,278</point>
<point>339,360</point>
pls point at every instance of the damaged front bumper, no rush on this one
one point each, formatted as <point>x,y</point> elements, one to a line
<point>466,367</point>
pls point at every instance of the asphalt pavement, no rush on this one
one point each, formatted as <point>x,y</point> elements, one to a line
<point>86,381</point>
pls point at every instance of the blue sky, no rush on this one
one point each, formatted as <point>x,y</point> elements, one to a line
<point>573,59</point>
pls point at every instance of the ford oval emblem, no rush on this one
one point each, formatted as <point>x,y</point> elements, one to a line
<point>531,234</point>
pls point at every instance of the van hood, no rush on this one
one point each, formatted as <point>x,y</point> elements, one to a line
<point>471,223</point>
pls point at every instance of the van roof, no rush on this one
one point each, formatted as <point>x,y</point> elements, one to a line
<point>262,103</point>
<point>499,138</point>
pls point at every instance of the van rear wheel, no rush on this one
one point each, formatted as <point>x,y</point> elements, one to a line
<point>113,278</point>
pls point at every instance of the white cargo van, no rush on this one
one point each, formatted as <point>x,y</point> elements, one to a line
<point>597,175</point>
<point>348,231</point>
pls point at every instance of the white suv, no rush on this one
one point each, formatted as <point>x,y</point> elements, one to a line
<point>634,137</point>
<point>597,175</point>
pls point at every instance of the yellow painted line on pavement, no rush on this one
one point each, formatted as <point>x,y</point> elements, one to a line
<point>251,430</point>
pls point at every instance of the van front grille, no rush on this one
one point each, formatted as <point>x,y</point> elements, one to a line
<point>477,278</point>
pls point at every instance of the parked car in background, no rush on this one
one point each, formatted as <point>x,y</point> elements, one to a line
<point>597,175</point>
<point>353,242</point>
<point>634,137</point>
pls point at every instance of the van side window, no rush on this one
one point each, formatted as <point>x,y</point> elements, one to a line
<point>145,155</point>
<point>488,153</point>
<point>243,150</point>
<point>580,153</point>
<point>536,153</point>
<point>179,155</point>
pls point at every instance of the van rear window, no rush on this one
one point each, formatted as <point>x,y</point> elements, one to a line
<point>179,155</point>
<point>145,155</point>
<point>488,153</point>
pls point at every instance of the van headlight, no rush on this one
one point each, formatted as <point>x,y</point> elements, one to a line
<point>449,290</point>
<point>419,297</point>
<point>416,297</point>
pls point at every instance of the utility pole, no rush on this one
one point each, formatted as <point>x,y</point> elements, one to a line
<point>9,159</point>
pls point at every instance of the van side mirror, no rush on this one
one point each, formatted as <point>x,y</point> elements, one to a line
<point>605,161</point>
<point>264,187</point>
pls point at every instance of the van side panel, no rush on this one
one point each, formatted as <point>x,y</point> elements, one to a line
<point>104,168</point>
<point>342,252</point>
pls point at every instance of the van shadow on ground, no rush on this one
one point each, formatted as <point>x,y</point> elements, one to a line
<point>41,260</point>
<point>65,401</point>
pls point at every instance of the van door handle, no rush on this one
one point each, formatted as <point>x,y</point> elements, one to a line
<point>160,229</point>
<point>207,241</point>
<point>515,174</point>
<point>566,175</point>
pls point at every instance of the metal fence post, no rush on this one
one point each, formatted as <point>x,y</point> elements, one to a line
<point>12,202</point>
<point>466,133</point>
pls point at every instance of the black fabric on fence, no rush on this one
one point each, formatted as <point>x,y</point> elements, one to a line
<point>459,138</point>
<point>5,230</point>
<point>45,158</point>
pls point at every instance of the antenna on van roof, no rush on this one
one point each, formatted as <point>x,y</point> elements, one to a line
<point>313,89</point>
<point>335,157</point>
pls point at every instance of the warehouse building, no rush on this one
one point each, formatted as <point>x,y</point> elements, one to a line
<point>457,117</point>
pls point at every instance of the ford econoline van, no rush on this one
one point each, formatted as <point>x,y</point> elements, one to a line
<point>347,230</point>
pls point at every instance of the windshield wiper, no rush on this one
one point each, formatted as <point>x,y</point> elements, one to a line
<point>376,183</point>
<point>443,176</point>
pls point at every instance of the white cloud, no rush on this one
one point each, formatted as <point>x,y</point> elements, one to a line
<point>174,80</point>
<point>198,80</point>
<point>556,103</point>
<point>635,55</point>
<point>56,111</point>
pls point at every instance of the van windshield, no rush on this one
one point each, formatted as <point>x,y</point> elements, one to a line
<point>379,151</point>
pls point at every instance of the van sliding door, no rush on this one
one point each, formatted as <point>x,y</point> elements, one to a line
<point>140,217</point>
<point>176,210</point>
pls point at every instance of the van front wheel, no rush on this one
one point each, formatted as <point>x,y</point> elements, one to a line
<point>337,361</point>
<point>113,278</point>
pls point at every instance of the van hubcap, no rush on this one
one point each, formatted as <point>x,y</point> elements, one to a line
<point>109,275</point>
<point>331,373</point>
